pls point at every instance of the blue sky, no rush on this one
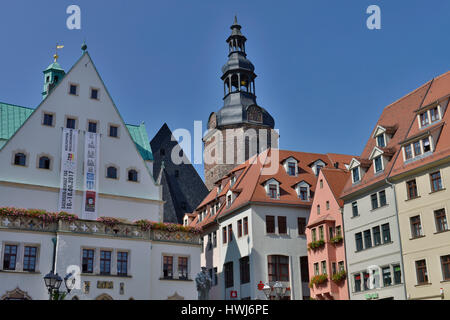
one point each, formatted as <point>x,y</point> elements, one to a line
<point>323,76</point>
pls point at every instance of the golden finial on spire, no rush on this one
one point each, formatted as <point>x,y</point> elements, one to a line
<point>55,56</point>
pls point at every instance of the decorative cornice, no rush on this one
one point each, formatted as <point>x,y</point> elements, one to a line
<point>97,229</point>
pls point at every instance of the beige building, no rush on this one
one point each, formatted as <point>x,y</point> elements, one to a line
<point>421,176</point>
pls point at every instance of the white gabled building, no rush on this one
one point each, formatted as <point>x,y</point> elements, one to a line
<point>158,264</point>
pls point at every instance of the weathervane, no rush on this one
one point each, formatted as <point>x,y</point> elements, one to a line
<point>55,56</point>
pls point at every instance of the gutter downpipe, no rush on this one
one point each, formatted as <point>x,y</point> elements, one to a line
<point>399,236</point>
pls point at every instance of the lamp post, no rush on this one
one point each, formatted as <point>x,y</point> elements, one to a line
<point>53,281</point>
<point>278,287</point>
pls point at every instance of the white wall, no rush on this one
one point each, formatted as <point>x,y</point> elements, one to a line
<point>258,245</point>
<point>35,139</point>
<point>161,289</point>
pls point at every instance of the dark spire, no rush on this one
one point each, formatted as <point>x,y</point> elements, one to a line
<point>239,83</point>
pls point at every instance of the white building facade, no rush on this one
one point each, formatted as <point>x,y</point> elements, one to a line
<point>117,260</point>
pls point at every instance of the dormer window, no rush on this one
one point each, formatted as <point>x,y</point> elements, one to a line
<point>424,119</point>
<point>429,116</point>
<point>426,144</point>
<point>408,152</point>
<point>417,148</point>
<point>378,163</point>
<point>434,114</point>
<point>290,165</point>
<point>291,168</point>
<point>232,180</point>
<point>303,191</point>
<point>355,174</point>
<point>318,167</point>
<point>273,191</point>
<point>304,194</point>
<point>229,200</point>
<point>272,187</point>
<point>381,141</point>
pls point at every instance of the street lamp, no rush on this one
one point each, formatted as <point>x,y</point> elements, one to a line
<point>53,283</point>
<point>278,287</point>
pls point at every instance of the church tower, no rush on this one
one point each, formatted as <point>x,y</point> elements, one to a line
<point>241,128</point>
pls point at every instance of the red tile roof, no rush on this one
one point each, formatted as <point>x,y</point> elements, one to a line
<point>252,175</point>
<point>439,91</point>
<point>399,115</point>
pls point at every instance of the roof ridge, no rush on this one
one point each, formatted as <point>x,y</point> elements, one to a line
<point>409,94</point>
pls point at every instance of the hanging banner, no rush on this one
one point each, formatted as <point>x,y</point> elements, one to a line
<point>68,170</point>
<point>91,162</point>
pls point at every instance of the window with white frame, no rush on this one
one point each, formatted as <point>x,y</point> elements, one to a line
<point>355,175</point>
<point>378,164</point>
<point>429,116</point>
<point>303,191</point>
<point>272,188</point>
<point>381,140</point>
<point>417,148</point>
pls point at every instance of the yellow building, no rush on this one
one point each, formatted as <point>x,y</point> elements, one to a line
<point>421,175</point>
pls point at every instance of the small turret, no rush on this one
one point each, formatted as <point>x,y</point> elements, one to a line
<point>52,75</point>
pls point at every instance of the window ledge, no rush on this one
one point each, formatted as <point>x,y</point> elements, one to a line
<point>353,217</point>
<point>173,279</point>
<point>418,237</point>
<point>443,231</point>
<point>410,199</point>
<point>380,207</point>
<point>423,284</point>
<point>20,272</point>
<point>104,275</point>
<point>373,247</point>
<point>443,189</point>
<point>444,281</point>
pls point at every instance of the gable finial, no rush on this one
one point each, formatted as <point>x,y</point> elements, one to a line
<point>235,19</point>
<point>84,46</point>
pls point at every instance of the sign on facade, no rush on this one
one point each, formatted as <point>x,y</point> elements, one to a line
<point>91,162</point>
<point>68,170</point>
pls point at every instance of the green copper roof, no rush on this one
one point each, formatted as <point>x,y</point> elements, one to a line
<point>54,66</point>
<point>12,117</point>
<point>140,138</point>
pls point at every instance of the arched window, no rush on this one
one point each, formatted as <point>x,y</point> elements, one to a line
<point>44,162</point>
<point>244,85</point>
<point>132,175</point>
<point>234,83</point>
<point>20,159</point>
<point>111,172</point>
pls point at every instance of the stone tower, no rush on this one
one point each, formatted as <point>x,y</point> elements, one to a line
<point>241,128</point>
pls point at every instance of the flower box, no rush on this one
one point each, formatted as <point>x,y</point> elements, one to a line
<point>338,277</point>
<point>319,279</point>
<point>316,244</point>
<point>336,240</point>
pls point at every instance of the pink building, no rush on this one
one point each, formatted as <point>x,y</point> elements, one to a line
<point>324,234</point>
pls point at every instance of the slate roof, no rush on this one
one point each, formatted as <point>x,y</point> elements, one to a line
<point>12,117</point>
<point>182,187</point>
